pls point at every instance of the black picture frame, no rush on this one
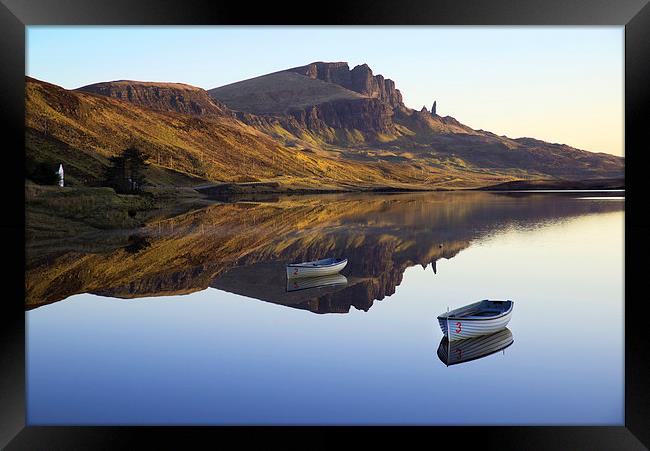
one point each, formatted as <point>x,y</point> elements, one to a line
<point>15,15</point>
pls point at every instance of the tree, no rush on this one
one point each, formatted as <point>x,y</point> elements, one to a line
<point>126,172</point>
<point>136,167</point>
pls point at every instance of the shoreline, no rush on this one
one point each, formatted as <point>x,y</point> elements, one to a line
<point>307,192</point>
<point>559,185</point>
<point>235,189</point>
<point>53,213</point>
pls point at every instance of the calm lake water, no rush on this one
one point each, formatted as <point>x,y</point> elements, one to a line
<point>190,320</point>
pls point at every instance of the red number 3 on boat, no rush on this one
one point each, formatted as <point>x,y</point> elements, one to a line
<point>459,327</point>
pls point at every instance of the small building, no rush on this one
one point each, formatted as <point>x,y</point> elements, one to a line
<point>60,174</point>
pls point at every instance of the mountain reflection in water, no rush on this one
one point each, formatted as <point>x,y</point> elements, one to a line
<point>243,247</point>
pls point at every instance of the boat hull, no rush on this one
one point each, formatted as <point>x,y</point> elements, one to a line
<point>297,271</point>
<point>462,328</point>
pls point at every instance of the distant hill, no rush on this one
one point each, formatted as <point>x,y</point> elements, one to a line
<point>371,123</point>
<point>165,97</point>
<point>82,130</point>
<point>318,126</point>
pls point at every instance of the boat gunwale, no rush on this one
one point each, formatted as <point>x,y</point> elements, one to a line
<point>477,318</point>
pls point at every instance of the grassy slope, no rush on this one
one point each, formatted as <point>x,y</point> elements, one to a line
<point>279,92</point>
<point>85,129</point>
<point>84,166</point>
<point>53,212</point>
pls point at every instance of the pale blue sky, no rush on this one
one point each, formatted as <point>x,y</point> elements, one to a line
<point>559,84</point>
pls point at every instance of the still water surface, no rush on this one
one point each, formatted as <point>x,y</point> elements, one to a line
<point>190,321</point>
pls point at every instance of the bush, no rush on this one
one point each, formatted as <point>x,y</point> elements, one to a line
<point>43,173</point>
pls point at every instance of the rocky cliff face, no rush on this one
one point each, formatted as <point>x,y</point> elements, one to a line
<point>166,97</point>
<point>366,115</point>
<point>338,73</point>
<point>364,82</point>
<point>371,115</point>
<point>360,79</point>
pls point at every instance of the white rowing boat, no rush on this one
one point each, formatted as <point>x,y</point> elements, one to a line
<point>316,268</point>
<point>480,318</point>
<point>305,283</point>
<point>460,351</point>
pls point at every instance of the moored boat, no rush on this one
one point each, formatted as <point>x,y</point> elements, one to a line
<point>460,351</point>
<point>322,267</point>
<point>473,320</point>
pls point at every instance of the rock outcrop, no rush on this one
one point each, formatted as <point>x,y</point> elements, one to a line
<point>338,73</point>
<point>360,79</point>
<point>368,116</point>
<point>165,97</point>
<point>364,82</point>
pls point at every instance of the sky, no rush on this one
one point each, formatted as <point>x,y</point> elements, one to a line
<point>558,84</point>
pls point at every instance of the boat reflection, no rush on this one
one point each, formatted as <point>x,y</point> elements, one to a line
<point>267,282</point>
<point>461,351</point>
<point>306,283</point>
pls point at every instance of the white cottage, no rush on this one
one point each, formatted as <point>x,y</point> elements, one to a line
<point>60,173</point>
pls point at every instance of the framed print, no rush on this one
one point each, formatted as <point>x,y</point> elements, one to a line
<point>383,216</point>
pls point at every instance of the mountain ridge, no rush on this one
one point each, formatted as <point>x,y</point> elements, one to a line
<point>390,125</point>
<point>82,130</point>
<point>358,79</point>
<point>322,125</point>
